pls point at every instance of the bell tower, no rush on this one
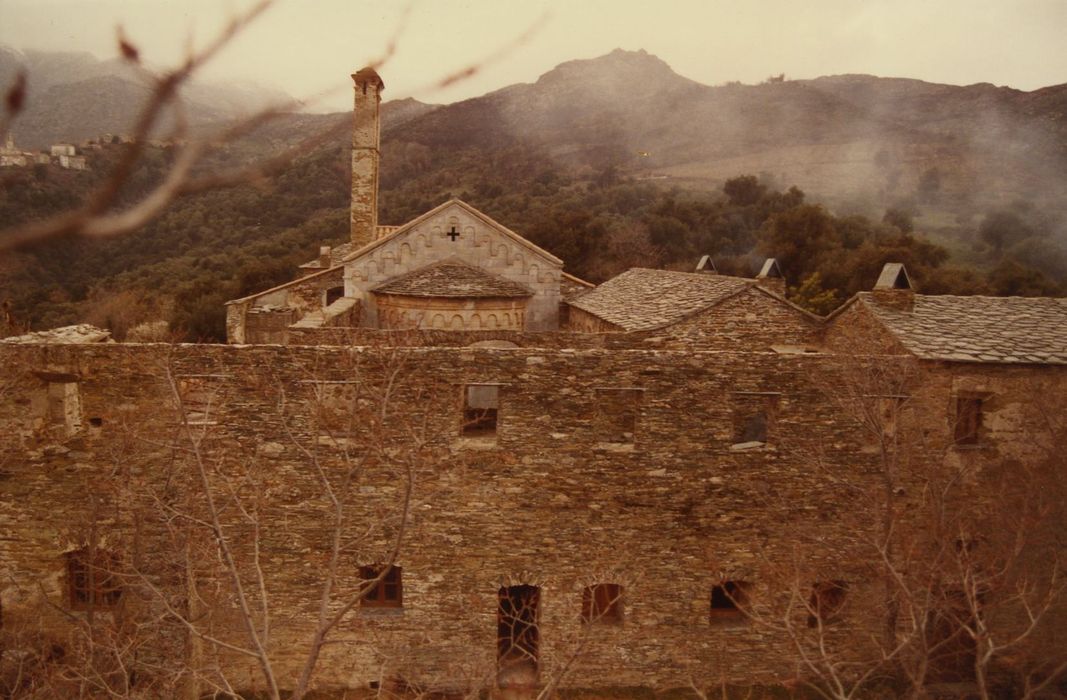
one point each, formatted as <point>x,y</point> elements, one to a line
<point>366,141</point>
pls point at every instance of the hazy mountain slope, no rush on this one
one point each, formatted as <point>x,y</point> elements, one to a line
<point>74,96</point>
<point>835,136</point>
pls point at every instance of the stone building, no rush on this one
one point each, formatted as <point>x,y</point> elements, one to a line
<point>669,480</point>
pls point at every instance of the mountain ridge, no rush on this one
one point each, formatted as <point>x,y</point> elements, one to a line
<point>74,96</point>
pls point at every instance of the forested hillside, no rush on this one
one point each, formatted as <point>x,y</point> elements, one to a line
<point>564,172</point>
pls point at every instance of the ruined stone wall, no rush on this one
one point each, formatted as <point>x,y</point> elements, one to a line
<point>477,243</point>
<point>551,500</point>
<point>290,301</point>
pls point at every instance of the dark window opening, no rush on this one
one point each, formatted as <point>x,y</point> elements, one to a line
<point>602,603</point>
<point>388,592</point>
<point>752,428</point>
<point>517,635</point>
<point>480,406</point>
<point>333,294</point>
<point>968,420</point>
<point>753,418</point>
<point>952,648</point>
<point>826,601</point>
<point>728,600</point>
<point>96,422</point>
<point>616,414</point>
<point>93,581</point>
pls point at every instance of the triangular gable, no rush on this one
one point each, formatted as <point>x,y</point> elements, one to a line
<point>442,209</point>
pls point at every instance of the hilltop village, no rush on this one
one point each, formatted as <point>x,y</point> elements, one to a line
<point>445,465</point>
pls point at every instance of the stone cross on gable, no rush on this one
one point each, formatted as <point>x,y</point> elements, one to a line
<point>453,234</point>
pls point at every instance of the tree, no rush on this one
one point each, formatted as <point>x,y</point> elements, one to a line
<point>1003,228</point>
<point>744,190</point>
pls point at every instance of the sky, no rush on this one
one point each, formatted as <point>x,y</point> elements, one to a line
<point>309,47</point>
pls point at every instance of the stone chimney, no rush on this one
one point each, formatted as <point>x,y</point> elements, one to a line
<point>770,277</point>
<point>325,256</point>
<point>366,140</point>
<point>893,288</point>
<point>707,265</point>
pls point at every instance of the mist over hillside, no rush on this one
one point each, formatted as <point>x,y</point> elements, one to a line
<point>838,136</point>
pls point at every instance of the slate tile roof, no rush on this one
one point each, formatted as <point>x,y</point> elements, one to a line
<point>642,299</point>
<point>1010,330</point>
<point>452,278</point>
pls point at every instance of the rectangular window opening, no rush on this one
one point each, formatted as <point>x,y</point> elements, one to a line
<point>480,405</point>
<point>93,581</point>
<point>602,602</point>
<point>968,427</point>
<point>64,406</point>
<point>826,601</point>
<point>616,415</point>
<point>729,600</point>
<point>753,419</point>
<point>387,592</point>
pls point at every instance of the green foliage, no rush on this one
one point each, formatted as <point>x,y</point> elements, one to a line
<point>811,295</point>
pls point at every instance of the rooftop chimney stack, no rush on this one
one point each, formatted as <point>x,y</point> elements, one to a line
<point>706,265</point>
<point>366,140</point>
<point>770,277</point>
<point>893,288</point>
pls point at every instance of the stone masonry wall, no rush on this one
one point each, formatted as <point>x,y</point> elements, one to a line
<point>751,319</point>
<point>550,500</point>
